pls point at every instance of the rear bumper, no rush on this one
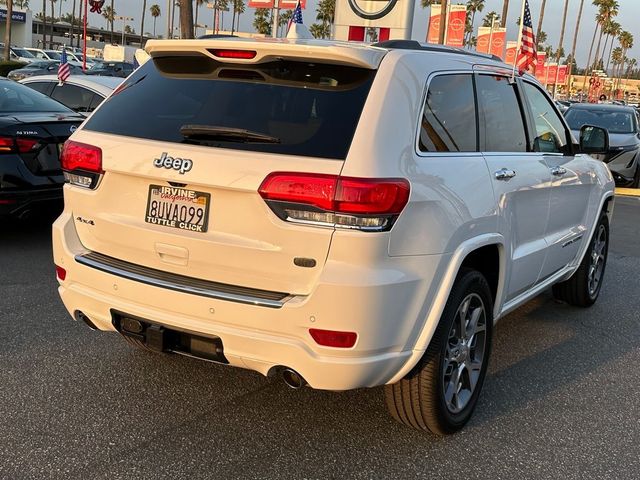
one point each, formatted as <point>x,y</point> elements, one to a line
<point>385,307</point>
<point>20,203</point>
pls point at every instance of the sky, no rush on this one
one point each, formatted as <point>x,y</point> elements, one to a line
<point>629,13</point>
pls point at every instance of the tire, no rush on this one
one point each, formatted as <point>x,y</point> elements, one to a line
<point>583,288</point>
<point>426,398</point>
<point>636,177</point>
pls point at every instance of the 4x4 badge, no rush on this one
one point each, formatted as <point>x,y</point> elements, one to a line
<point>182,165</point>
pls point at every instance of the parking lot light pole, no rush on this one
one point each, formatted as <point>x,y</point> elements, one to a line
<point>124,24</point>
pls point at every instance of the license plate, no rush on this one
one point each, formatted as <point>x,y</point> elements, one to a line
<point>178,208</point>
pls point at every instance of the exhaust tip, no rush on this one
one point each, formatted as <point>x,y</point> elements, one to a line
<point>293,379</point>
<point>81,317</point>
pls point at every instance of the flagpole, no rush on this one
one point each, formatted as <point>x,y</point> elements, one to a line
<point>84,48</point>
<point>519,45</point>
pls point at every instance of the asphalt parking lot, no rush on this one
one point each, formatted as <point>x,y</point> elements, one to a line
<point>562,398</point>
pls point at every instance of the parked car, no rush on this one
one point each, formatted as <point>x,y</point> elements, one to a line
<point>40,67</point>
<point>80,93</point>
<point>342,216</point>
<point>33,128</point>
<point>112,69</point>
<point>22,55</point>
<point>623,155</point>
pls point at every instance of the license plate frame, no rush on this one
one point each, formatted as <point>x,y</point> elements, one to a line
<point>180,199</point>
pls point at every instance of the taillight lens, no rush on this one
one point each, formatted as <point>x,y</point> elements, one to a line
<point>20,144</point>
<point>329,200</point>
<point>332,338</point>
<point>237,54</point>
<point>82,163</point>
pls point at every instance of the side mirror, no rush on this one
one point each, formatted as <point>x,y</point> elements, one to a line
<point>594,140</point>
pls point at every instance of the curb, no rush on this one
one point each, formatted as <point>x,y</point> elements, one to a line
<point>628,192</point>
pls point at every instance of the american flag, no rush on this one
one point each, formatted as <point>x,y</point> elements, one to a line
<point>297,15</point>
<point>64,71</point>
<point>527,53</point>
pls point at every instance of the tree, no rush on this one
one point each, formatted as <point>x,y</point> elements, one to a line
<point>109,14</point>
<point>542,7</point>
<point>44,23</point>
<point>283,20</point>
<point>560,51</point>
<point>113,14</point>
<point>129,29</point>
<point>72,21</point>
<point>155,13</point>
<point>53,20</point>
<point>612,30</point>
<point>238,7</point>
<point>7,33</point>
<point>541,39</point>
<point>325,14</point>
<point>186,19</point>
<point>262,21</point>
<point>486,21</point>
<point>505,12</point>
<point>199,3</point>
<point>608,10</point>
<point>575,40</point>
<point>473,7</point>
<point>144,13</point>
<point>318,31</point>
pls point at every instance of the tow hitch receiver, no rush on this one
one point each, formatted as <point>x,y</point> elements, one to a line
<point>163,339</point>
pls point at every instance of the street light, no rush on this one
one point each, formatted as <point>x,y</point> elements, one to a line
<point>124,24</point>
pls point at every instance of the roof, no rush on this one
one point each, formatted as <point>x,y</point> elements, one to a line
<point>103,85</point>
<point>602,107</point>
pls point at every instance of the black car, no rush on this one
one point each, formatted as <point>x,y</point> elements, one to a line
<point>112,69</point>
<point>33,128</point>
<point>622,123</point>
<point>41,67</point>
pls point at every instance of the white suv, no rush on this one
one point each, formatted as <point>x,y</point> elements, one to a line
<point>340,215</point>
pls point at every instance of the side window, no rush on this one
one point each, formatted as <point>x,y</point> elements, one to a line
<point>449,119</point>
<point>500,114</point>
<point>97,100</point>
<point>551,135</point>
<point>42,87</point>
<point>72,96</point>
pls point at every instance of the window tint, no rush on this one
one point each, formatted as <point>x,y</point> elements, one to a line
<point>42,87</point>
<point>15,97</point>
<point>97,100</point>
<point>500,115</point>
<point>311,108</point>
<point>74,97</point>
<point>449,120</point>
<point>551,136</point>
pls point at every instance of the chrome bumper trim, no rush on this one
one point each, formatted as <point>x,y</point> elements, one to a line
<point>181,283</point>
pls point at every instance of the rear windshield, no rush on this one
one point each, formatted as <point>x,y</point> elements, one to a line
<point>310,109</point>
<point>15,97</point>
<point>613,121</point>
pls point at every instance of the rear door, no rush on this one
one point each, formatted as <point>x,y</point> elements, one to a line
<point>520,177</point>
<point>572,182</point>
<point>307,112</point>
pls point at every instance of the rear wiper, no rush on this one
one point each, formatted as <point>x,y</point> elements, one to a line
<point>211,132</point>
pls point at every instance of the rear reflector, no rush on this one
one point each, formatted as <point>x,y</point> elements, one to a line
<point>359,203</point>
<point>239,54</point>
<point>61,273</point>
<point>331,338</point>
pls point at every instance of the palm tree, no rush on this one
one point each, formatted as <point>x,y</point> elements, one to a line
<point>60,9</point>
<point>73,21</point>
<point>199,3</point>
<point>575,39</point>
<point>144,13</point>
<point>109,14</point>
<point>113,15</point>
<point>542,7</point>
<point>613,30</point>
<point>473,6</point>
<point>155,13</point>
<point>325,13</point>
<point>186,19</point>
<point>560,51</point>
<point>239,7</point>
<point>541,38</point>
<point>44,23</point>
<point>486,21</point>
<point>7,34</point>
<point>53,13</point>
<point>283,19</point>
<point>505,12</point>
<point>608,10</point>
<point>262,21</point>
<point>80,4</point>
<point>626,42</point>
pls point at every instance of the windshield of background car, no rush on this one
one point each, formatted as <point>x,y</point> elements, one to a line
<point>613,121</point>
<point>23,53</point>
<point>311,108</point>
<point>53,55</point>
<point>15,97</point>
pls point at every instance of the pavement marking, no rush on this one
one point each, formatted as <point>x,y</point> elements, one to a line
<point>628,192</point>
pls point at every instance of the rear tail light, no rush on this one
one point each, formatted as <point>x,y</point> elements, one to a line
<point>370,204</point>
<point>20,144</point>
<point>332,338</point>
<point>82,164</point>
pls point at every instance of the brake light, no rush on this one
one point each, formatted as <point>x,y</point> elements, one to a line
<point>6,144</point>
<point>82,163</point>
<point>332,338</point>
<point>330,200</point>
<point>237,54</point>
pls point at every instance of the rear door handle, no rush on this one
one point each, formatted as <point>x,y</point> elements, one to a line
<point>558,171</point>
<point>504,174</point>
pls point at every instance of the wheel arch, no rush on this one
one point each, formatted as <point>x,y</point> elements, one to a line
<point>480,253</point>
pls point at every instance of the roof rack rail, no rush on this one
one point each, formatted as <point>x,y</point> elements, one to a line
<point>415,45</point>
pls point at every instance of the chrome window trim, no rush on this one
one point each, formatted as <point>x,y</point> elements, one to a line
<point>181,283</point>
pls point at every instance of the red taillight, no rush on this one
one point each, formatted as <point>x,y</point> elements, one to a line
<point>7,144</point>
<point>360,203</point>
<point>61,273</point>
<point>239,54</point>
<point>332,338</point>
<point>25,145</point>
<point>80,156</point>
